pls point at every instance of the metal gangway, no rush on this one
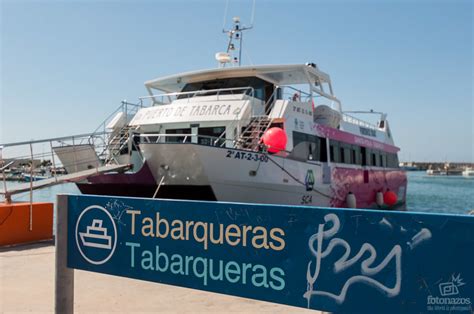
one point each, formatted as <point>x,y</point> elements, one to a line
<point>67,159</point>
<point>47,162</point>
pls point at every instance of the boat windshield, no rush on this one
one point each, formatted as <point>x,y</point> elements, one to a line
<point>262,89</point>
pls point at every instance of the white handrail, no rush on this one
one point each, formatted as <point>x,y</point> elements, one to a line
<point>359,122</point>
<point>198,92</point>
<point>201,91</point>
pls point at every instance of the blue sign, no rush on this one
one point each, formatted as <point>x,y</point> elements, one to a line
<point>338,260</point>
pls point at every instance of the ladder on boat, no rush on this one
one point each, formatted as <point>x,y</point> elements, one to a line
<point>119,142</point>
<point>250,137</point>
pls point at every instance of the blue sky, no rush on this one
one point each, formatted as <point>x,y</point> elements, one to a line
<point>66,65</point>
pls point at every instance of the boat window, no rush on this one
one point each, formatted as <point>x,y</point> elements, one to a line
<point>207,136</point>
<point>298,137</point>
<point>323,155</point>
<point>340,152</point>
<point>389,160</point>
<point>363,155</point>
<point>178,139</point>
<point>342,158</point>
<point>316,145</point>
<point>334,151</point>
<point>262,89</point>
<point>347,154</point>
<point>392,161</point>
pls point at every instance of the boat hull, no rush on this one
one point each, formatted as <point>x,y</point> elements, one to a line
<point>142,184</point>
<point>242,176</point>
<point>137,184</point>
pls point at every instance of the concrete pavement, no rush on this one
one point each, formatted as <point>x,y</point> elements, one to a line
<point>27,285</point>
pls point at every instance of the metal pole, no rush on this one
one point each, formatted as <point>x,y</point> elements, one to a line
<point>31,188</point>
<point>64,279</point>
<point>52,158</point>
<point>240,49</point>
<point>5,186</point>
<point>126,111</point>
<point>158,187</point>
<point>3,167</point>
<point>74,153</point>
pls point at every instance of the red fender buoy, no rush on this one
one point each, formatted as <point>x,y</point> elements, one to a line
<point>390,198</point>
<point>275,139</point>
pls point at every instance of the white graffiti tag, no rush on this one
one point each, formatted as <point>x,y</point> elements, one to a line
<point>366,268</point>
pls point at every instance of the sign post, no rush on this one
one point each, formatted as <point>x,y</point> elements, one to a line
<point>329,259</point>
<point>64,276</point>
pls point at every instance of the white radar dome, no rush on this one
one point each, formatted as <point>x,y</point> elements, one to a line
<point>223,57</point>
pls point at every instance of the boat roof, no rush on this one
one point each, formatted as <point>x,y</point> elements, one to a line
<point>277,74</point>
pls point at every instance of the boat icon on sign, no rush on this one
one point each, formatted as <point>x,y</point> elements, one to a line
<point>96,236</point>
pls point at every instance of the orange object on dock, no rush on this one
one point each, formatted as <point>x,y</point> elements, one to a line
<point>15,227</point>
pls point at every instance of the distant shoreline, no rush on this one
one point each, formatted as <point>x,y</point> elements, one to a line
<point>425,165</point>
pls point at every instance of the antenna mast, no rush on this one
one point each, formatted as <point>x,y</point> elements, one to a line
<point>235,39</point>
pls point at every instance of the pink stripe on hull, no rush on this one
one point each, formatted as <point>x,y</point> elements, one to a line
<point>345,180</point>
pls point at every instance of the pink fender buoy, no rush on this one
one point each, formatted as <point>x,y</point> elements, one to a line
<point>275,139</point>
<point>390,198</point>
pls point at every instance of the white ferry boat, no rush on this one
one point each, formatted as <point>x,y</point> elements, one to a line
<point>260,134</point>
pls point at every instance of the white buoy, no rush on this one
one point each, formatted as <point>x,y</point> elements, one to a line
<point>379,198</point>
<point>351,200</point>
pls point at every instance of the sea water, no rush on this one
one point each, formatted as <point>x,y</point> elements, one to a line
<point>441,194</point>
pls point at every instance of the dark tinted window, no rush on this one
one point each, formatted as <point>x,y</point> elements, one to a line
<point>178,139</point>
<point>363,155</point>
<point>317,149</point>
<point>209,135</point>
<point>340,152</point>
<point>323,153</point>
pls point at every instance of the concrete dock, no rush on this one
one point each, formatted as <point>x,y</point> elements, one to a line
<point>27,285</point>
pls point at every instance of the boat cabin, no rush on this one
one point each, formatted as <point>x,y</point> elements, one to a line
<point>232,107</point>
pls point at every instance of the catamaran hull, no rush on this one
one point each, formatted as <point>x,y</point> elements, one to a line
<point>243,176</point>
<point>141,184</point>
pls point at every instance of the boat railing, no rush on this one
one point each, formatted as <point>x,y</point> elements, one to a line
<point>313,99</point>
<point>268,107</point>
<point>29,158</point>
<point>126,107</point>
<point>270,103</point>
<point>149,138</point>
<point>353,120</point>
<point>187,138</point>
<point>295,94</point>
<point>170,97</point>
